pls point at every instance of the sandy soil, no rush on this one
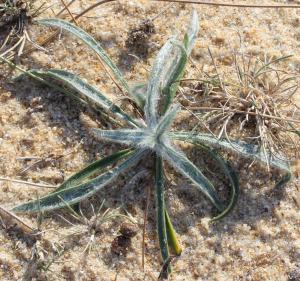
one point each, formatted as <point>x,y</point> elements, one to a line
<point>260,240</point>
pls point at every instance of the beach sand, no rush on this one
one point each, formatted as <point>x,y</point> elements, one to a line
<point>259,240</point>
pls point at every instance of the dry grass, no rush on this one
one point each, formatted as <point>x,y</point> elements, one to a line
<point>255,104</point>
<point>16,17</point>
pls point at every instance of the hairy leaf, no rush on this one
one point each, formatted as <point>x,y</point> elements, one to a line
<point>160,208</point>
<point>181,163</point>
<point>124,136</point>
<point>180,61</point>
<point>238,147</point>
<point>139,92</point>
<point>84,91</point>
<point>91,42</point>
<point>157,82</point>
<point>94,168</point>
<point>230,174</point>
<point>80,192</point>
<point>192,33</point>
<point>175,74</point>
<point>166,120</point>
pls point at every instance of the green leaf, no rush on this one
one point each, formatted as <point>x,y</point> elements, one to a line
<point>30,73</point>
<point>94,168</point>
<point>284,180</point>
<point>230,174</point>
<point>238,147</point>
<point>83,91</point>
<point>124,136</point>
<point>139,92</point>
<point>175,74</point>
<point>166,121</point>
<point>180,61</point>
<point>172,237</point>
<point>91,42</point>
<point>157,82</point>
<point>80,192</point>
<point>192,33</point>
<point>181,163</point>
<point>160,209</point>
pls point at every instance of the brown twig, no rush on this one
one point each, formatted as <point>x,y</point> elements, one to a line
<point>42,161</point>
<point>93,7</point>
<point>27,182</point>
<point>65,7</point>
<point>71,15</point>
<point>8,219</point>
<point>231,5</point>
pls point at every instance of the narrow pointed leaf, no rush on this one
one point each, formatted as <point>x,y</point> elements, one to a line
<point>238,147</point>
<point>83,91</point>
<point>192,33</point>
<point>157,82</point>
<point>175,74</point>
<point>173,242</point>
<point>230,174</point>
<point>124,136</point>
<point>91,42</point>
<point>36,76</point>
<point>182,164</point>
<point>80,192</point>
<point>139,92</point>
<point>94,168</point>
<point>166,120</point>
<point>160,209</point>
<point>179,63</point>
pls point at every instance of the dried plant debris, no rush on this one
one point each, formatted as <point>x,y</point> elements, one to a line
<point>85,229</point>
<point>14,14</point>
<point>15,18</point>
<point>257,106</point>
<point>138,39</point>
<point>122,243</point>
<point>17,229</point>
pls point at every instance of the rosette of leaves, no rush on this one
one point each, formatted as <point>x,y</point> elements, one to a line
<point>152,136</point>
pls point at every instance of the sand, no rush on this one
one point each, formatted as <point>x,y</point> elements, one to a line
<point>260,240</point>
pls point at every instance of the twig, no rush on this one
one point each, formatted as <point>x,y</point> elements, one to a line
<point>67,8</point>
<point>232,5</point>
<point>8,218</point>
<point>93,6</point>
<point>162,11</point>
<point>42,161</point>
<point>27,183</point>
